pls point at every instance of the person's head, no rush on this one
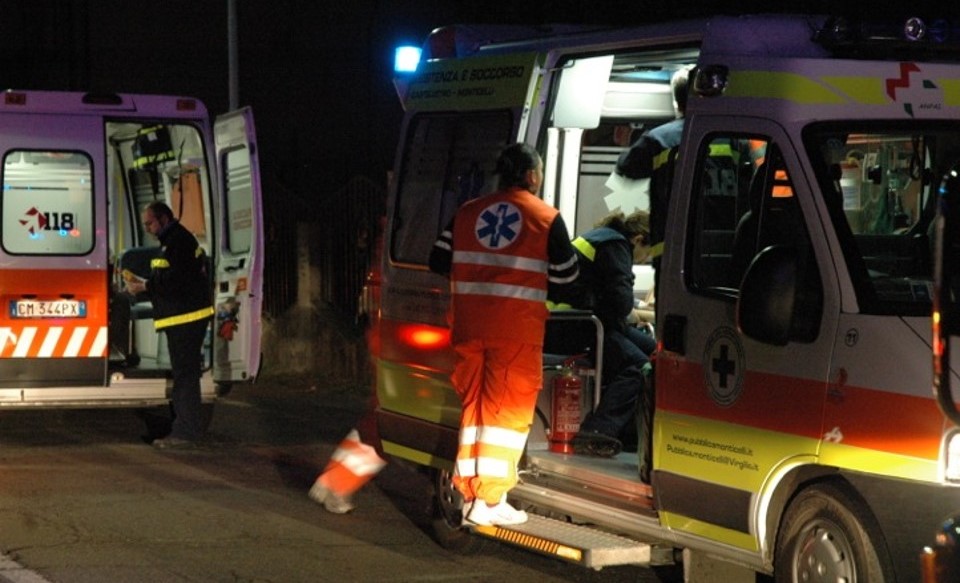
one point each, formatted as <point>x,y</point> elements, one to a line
<point>156,216</point>
<point>635,227</point>
<point>679,86</point>
<point>520,165</point>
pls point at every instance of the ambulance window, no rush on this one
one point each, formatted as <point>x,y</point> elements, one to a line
<point>238,192</point>
<point>726,166</point>
<point>877,182</point>
<point>745,202</point>
<point>47,203</point>
<point>448,159</point>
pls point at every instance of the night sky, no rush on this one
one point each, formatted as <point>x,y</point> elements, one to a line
<point>317,74</point>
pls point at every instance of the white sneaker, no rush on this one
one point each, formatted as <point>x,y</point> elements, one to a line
<point>331,502</point>
<point>465,511</point>
<point>501,514</point>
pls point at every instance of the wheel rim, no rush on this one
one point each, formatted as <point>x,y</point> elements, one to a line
<point>824,553</point>
<point>449,500</point>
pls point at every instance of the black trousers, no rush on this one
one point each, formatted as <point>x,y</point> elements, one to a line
<point>185,342</point>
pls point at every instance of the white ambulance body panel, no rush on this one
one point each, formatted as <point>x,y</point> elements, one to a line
<point>76,171</point>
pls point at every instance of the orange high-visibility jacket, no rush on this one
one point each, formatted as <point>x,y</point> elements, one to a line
<point>499,271</point>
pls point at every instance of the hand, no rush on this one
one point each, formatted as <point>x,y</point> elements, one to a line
<point>135,286</point>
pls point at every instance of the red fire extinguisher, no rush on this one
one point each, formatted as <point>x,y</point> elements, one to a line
<point>565,418</point>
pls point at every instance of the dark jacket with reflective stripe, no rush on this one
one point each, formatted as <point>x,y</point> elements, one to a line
<point>606,276</point>
<point>179,285</point>
<point>653,156</point>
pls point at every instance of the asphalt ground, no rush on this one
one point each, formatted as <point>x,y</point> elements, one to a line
<point>83,499</point>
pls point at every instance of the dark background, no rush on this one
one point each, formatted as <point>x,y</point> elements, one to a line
<point>317,74</point>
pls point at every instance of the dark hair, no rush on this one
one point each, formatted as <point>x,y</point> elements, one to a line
<point>514,162</point>
<point>160,209</point>
<point>636,223</point>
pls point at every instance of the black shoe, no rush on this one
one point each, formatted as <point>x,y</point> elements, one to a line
<point>596,444</point>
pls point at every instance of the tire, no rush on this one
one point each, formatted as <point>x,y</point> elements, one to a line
<point>829,535</point>
<point>447,515</point>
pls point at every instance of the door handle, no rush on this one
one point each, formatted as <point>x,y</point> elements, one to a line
<point>675,333</point>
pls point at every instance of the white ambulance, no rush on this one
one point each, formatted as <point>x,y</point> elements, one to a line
<point>77,169</point>
<point>795,433</point>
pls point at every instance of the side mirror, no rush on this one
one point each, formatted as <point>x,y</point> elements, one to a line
<point>768,295</point>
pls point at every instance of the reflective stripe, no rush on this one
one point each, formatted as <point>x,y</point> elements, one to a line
<point>794,87</point>
<point>24,342</point>
<point>159,263</point>
<point>567,265</point>
<point>361,461</point>
<point>441,244</point>
<point>100,342</point>
<point>720,151</point>
<point>662,158</point>
<point>183,318</point>
<point>467,467</point>
<point>76,341</point>
<point>493,467</point>
<point>503,437</point>
<point>502,290</point>
<point>468,435</point>
<point>500,260</point>
<point>48,342</point>
<point>585,247</point>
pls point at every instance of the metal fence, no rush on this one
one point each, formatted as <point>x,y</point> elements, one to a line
<point>342,226</point>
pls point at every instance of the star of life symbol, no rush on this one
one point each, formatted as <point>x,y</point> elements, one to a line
<point>498,225</point>
<point>35,221</point>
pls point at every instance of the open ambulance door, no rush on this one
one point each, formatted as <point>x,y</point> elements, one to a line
<point>238,294</point>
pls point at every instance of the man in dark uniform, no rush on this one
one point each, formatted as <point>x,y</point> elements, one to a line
<point>653,155</point>
<point>179,289</point>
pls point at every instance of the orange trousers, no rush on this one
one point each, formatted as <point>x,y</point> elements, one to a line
<point>498,382</point>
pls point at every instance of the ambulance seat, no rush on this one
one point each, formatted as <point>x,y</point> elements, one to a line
<point>572,333</point>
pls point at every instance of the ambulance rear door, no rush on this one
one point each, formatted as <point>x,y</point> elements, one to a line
<point>53,304</point>
<point>239,266</point>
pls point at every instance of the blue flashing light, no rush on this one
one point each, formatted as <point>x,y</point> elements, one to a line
<point>406,58</point>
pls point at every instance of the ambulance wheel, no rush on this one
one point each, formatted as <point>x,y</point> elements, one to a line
<point>829,535</point>
<point>447,517</point>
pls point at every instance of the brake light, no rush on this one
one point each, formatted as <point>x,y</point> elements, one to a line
<point>185,104</point>
<point>424,337</point>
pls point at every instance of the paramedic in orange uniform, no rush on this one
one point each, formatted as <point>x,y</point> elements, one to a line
<point>506,253</point>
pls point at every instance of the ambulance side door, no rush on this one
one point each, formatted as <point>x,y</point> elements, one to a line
<point>734,414</point>
<point>239,268</point>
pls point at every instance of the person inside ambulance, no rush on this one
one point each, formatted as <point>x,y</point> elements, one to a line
<point>506,254</point>
<point>606,256</point>
<point>652,156</point>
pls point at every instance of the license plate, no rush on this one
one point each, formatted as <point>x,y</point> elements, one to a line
<point>48,309</point>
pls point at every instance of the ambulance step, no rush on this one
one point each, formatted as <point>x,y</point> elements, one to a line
<point>579,544</point>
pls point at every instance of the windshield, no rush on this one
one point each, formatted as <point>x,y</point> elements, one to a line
<point>878,180</point>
